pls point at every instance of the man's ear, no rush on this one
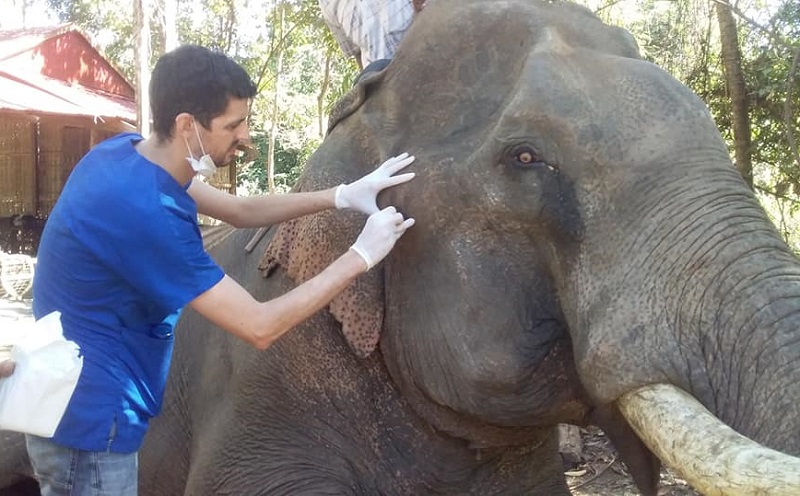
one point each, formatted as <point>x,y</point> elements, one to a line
<point>183,125</point>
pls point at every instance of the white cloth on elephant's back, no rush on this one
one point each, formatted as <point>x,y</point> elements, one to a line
<point>373,27</point>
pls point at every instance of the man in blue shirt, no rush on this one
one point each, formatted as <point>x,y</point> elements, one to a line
<point>121,255</point>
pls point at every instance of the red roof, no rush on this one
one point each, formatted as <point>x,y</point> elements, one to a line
<point>16,41</point>
<point>39,94</point>
<point>57,71</point>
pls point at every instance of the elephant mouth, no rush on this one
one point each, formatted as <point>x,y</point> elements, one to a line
<point>711,456</point>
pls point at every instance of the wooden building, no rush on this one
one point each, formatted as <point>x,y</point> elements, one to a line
<point>58,97</point>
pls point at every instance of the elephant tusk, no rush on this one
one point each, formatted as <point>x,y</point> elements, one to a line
<point>712,457</point>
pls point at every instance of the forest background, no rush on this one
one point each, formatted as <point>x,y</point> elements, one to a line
<point>741,58</point>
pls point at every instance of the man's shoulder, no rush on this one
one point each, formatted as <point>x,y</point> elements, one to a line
<point>121,143</point>
<point>113,180</point>
<point>108,154</point>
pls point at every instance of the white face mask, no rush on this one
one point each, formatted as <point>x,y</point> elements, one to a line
<point>205,166</point>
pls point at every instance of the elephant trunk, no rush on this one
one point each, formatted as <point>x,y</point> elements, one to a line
<point>751,353</point>
<point>702,302</point>
<point>736,324</point>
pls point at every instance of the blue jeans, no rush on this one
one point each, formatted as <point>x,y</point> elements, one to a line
<point>65,471</point>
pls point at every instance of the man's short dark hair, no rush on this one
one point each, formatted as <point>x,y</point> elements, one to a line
<point>196,80</point>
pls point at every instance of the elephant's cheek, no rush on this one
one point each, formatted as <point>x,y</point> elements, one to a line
<point>485,338</point>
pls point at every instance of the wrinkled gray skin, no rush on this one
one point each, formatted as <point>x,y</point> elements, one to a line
<point>580,232</point>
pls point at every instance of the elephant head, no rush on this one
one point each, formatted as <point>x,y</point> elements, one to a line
<point>583,246</point>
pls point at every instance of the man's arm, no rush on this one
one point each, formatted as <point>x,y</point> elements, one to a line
<point>231,307</point>
<point>345,40</point>
<point>257,211</point>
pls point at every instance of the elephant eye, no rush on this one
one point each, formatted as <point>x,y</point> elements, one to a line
<point>525,157</point>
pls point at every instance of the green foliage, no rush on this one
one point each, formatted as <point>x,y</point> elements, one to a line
<point>774,114</point>
<point>252,175</point>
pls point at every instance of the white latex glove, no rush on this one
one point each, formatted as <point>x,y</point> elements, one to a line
<point>362,194</point>
<point>379,235</point>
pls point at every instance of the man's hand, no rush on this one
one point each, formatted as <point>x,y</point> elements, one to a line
<point>362,195</point>
<point>6,368</point>
<point>379,235</point>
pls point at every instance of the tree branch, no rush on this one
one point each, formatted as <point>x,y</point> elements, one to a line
<point>776,195</point>
<point>778,40</point>
<point>274,49</point>
<point>787,108</point>
<point>608,5</point>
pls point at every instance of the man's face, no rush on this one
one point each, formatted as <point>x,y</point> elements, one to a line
<point>227,132</point>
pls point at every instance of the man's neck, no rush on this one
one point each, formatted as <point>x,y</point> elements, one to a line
<point>167,154</point>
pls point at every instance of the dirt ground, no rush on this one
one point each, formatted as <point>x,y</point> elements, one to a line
<point>600,473</point>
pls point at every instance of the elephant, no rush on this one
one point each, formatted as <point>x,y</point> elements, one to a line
<point>584,252</point>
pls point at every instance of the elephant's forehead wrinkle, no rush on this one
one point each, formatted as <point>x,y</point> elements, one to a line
<point>562,79</point>
<point>528,116</point>
<point>551,40</point>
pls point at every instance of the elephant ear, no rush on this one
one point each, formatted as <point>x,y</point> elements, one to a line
<point>350,102</point>
<point>305,246</point>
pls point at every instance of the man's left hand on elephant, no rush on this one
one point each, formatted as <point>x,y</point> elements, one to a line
<point>362,194</point>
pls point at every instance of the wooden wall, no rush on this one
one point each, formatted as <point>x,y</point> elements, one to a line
<point>31,182</point>
<point>17,165</point>
<point>225,180</point>
<point>37,154</point>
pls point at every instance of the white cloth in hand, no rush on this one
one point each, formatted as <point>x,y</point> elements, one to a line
<point>362,194</point>
<point>379,235</point>
<point>33,398</point>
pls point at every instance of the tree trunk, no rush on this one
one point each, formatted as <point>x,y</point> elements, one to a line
<point>789,121</point>
<point>230,27</point>
<point>734,77</point>
<point>170,25</point>
<point>323,91</point>
<point>142,13</point>
<point>274,124</point>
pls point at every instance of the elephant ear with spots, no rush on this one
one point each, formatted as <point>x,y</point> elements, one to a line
<point>305,246</point>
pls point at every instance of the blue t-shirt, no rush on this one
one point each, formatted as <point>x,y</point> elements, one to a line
<point>119,257</point>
